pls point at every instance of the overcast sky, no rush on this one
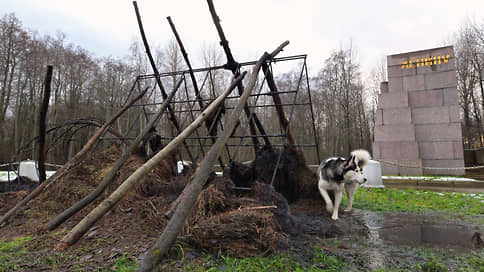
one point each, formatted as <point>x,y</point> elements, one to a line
<point>374,28</point>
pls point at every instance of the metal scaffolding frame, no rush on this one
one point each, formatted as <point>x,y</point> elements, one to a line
<point>197,88</point>
<point>185,107</point>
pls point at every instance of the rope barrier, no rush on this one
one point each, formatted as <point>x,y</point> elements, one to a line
<point>432,168</point>
<point>417,166</point>
<point>382,161</point>
<point>54,165</point>
<point>473,149</point>
<point>15,163</point>
<point>8,164</point>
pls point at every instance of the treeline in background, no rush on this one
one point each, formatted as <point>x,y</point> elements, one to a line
<point>92,88</point>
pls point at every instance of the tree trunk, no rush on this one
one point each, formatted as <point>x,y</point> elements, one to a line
<point>155,254</point>
<point>42,121</point>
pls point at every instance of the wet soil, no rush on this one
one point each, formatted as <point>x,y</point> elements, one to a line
<point>223,221</point>
<point>363,239</point>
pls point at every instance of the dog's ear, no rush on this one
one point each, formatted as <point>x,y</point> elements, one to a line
<point>350,161</point>
<point>350,164</point>
<point>339,170</point>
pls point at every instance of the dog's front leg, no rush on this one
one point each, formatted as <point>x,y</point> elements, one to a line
<point>338,194</point>
<point>327,199</point>
<point>350,189</point>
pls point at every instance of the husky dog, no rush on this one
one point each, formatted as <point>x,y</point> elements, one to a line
<point>335,174</point>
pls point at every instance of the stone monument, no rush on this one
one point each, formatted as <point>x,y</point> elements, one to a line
<point>417,119</point>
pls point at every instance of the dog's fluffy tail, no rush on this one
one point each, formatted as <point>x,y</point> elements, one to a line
<point>362,156</point>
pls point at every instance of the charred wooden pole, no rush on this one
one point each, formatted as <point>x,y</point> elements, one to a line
<point>74,161</point>
<point>42,122</point>
<point>171,113</point>
<point>124,188</point>
<point>278,103</point>
<point>211,122</point>
<point>261,129</point>
<point>190,69</point>
<point>156,253</point>
<point>109,177</point>
<point>233,66</point>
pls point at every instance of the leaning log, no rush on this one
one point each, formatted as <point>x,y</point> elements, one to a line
<point>124,188</point>
<point>212,121</point>
<point>42,121</point>
<point>171,113</point>
<point>258,123</point>
<point>74,161</point>
<point>233,66</point>
<point>109,177</point>
<point>284,123</point>
<point>187,61</point>
<point>156,253</point>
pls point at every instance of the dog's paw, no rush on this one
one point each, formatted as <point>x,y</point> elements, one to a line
<point>334,217</point>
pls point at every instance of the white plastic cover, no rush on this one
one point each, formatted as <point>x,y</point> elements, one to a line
<point>28,169</point>
<point>372,172</point>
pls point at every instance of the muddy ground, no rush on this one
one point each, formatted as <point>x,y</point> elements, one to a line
<point>227,221</point>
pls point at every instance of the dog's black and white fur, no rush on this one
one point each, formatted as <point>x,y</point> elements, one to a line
<point>336,174</point>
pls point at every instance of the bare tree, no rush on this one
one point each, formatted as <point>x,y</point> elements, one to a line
<point>342,118</point>
<point>373,81</point>
<point>466,53</point>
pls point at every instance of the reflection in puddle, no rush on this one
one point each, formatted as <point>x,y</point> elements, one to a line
<point>414,231</point>
<point>374,221</point>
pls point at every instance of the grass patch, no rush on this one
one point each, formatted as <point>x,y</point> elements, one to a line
<point>324,262</point>
<point>388,199</point>
<point>11,253</point>
<point>419,259</point>
<point>321,262</point>
<point>438,261</point>
<point>434,260</point>
<point>22,254</point>
<point>14,245</point>
<point>270,263</point>
<point>126,263</point>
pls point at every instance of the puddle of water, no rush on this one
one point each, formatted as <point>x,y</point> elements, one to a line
<point>374,221</point>
<point>415,231</point>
